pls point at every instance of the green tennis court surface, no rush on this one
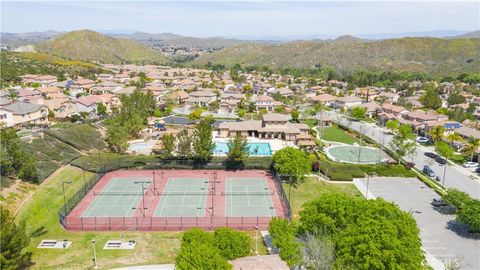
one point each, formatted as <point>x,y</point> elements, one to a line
<point>354,154</point>
<point>248,197</point>
<point>183,197</point>
<point>119,198</point>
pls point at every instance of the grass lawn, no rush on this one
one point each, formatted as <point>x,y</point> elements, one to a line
<point>335,134</point>
<point>40,214</point>
<point>310,122</point>
<point>311,189</point>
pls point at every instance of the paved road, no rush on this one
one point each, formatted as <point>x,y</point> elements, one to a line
<point>441,236</point>
<point>458,178</point>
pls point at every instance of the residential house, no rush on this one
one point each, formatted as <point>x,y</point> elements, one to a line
<point>284,92</point>
<point>61,107</point>
<point>88,104</point>
<point>347,102</point>
<point>272,126</point>
<point>43,80</point>
<point>200,98</point>
<point>266,103</point>
<point>324,99</point>
<point>6,118</point>
<point>372,108</point>
<point>81,86</point>
<point>27,113</point>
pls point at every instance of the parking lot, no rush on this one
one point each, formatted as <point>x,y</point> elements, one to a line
<point>441,236</point>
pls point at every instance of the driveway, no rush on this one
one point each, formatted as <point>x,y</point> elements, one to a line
<point>441,236</point>
<point>454,177</point>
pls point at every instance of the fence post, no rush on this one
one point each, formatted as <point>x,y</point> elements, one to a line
<point>136,221</point>
<point>181,223</point>
<point>81,222</point>
<point>95,218</point>
<point>109,223</point>
<point>151,223</point>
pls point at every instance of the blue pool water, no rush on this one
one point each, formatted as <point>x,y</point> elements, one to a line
<point>255,149</point>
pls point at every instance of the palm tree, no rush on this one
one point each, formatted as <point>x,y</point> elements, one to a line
<point>473,144</point>
<point>437,133</point>
<point>454,137</point>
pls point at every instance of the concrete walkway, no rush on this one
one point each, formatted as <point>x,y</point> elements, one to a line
<point>148,267</point>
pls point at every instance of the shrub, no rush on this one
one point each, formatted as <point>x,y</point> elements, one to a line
<point>232,244</point>
<point>470,215</point>
<point>81,136</point>
<point>283,238</point>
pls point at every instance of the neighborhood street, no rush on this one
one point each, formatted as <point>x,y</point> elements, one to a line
<point>454,177</point>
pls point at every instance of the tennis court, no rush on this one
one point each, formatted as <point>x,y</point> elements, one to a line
<point>354,154</point>
<point>119,198</point>
<point>183,197</point>
<point>248,197</point>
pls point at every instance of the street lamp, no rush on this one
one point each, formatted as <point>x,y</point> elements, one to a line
<point>94,255</point>
<point>256,240</point>
<point>64,200</point>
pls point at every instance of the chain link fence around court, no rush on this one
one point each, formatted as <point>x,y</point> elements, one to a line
<point>167,223</point>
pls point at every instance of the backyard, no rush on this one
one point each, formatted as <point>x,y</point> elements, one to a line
<point>40,214</point>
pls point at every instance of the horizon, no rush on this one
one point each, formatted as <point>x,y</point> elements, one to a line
<point>246,19</point>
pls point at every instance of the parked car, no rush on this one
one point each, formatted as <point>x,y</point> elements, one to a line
<point>430,154</point>
<point>470,164</point>
<point>477,170</point>
<point>438,202</point>
<point>423,139</point>
<point>428,171</point>
<point>441,160</point>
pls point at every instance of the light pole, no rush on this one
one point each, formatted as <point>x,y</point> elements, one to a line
<point>64,200</point>
<point>256,240</point>
<point>94,255</point>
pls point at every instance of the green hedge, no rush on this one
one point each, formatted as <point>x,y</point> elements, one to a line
<point>111,162</point>
<point>387,170</point>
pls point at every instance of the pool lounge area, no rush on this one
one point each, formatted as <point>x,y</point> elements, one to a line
<point>255,149</point>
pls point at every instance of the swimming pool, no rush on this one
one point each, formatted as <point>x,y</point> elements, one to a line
<point>255,149</point>
<point>140,147</point>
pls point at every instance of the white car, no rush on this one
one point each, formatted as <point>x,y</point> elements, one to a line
<point>470,164</point>
<point>422,140</point>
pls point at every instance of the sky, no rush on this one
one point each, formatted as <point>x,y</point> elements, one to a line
<point>242,18</point>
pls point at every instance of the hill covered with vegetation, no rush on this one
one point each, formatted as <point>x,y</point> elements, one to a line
<point>14,64</point>
<point>92,46</point>
<point>434,55</point>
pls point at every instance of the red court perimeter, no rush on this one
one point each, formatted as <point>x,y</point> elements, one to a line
<point>214,216</point>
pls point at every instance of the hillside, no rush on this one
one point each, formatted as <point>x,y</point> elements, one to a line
<point>13,65</point>
<point>474,34</point>
<point>434,55</point>
<point>92,46</point>
<point>170,39</point>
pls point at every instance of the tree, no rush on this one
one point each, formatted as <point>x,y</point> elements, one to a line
<point>15,240</point>
<point>283,238</point>
<point>203,142</point>
<point>318,252</point>
<point>473,144</point>
<point>402,143</point>
<point>232,244</point>
<point>14,158</point>
<point>292,162</point>
<point>368,234</point>
<point>431,99</point>
<point>437,133</point>
<point>101,109</point>
<point>117,137</point>
<point>295,114</point>
<point>238,149</point>
<point>196,114</point>
<point>392,125</point>
<point>184,145</point>
<point>470,215</point>
<point>358,112</point>
<point>444,149</point>
<point>168,145</point>
<point>455,98</point>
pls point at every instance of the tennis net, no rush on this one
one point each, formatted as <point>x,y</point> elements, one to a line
<point>99,193</point>
<point>253,193</point>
